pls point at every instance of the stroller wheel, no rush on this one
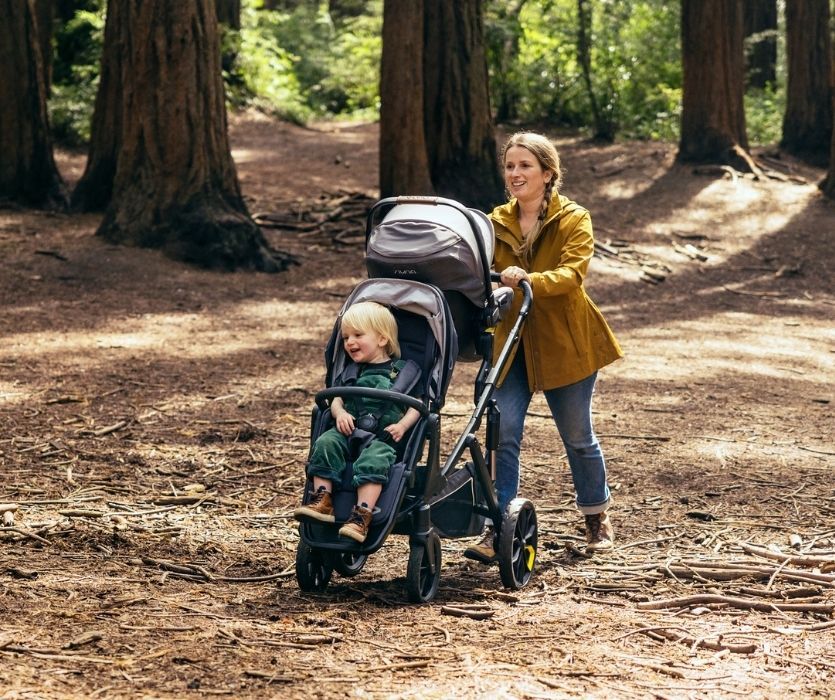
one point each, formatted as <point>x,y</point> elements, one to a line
<point>313,569</point>
<point>517,543</point>
<point>424,571</point>
<point>348,564</point>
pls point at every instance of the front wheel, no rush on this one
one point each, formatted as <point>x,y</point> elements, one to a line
<point>423,573</point>
<point>313,569</point>
<point>348,564</point>
<point>517,543</point>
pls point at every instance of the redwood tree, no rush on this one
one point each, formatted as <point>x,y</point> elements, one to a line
<point>458,122</point>
<point>27,166</point>
<point>713,114</point>
<point>95,188</point>
<point>760,19</point>
<point>828,184</point>
<point>175,186</point>
<point>404,165</point>
<point>807,124</point>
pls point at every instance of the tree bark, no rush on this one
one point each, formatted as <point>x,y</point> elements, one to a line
<point>828,184</point>
<point>28,173</point>
<point>94,190</point>
<point>229,13</point>
<point>175,185</point>
<point>404,166</point>
<point>807,124</point>
<point>604,128</point>
<point>760,18</point>
<point>713,114</point>
<point>458,121</point>
<point>506,48</point>
<point>45,11</point>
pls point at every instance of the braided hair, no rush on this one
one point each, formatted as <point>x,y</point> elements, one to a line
<point>546,154</point>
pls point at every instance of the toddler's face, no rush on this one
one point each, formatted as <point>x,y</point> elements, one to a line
<point>364,346</point>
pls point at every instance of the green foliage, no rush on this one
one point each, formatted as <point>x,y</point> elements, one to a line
<point>75,73</point>
<point>635,65</point>
<point>764,110</point>
<point>257,72</point>
<point>302,64</point>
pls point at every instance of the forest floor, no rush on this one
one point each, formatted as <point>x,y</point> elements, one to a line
<point>154,423</point>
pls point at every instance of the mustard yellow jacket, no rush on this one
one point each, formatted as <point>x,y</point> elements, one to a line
<point>565,338</point>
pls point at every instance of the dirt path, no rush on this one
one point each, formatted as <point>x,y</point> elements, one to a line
<point>154,420</point>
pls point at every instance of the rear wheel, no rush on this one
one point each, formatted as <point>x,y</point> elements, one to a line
<point>424,570</point>
<point>348,564</point>
<point>313,569</point>
<point>517,543</point>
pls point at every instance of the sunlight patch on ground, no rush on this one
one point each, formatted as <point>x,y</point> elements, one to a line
<point>740,211</point>
<point>174,334</point>
<point>751,344</point>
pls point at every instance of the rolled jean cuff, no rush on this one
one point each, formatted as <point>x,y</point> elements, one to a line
<point>596,508</point>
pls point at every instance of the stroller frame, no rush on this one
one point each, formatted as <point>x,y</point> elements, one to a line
<point>419,496</point>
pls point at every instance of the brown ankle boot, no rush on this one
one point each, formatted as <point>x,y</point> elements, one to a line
<point>318,508</point>
<point>357,525</point>
<point>485,550</point>
<point>600,534</point>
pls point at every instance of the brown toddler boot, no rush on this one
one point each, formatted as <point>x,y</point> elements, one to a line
<point>357,525</point>
<point>319,508</point>
<point>600,534</point>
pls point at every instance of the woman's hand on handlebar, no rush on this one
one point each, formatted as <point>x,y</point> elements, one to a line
<point>512,276</point>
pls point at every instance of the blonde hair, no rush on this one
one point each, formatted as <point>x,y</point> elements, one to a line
<point>370,316</point>
<point>546,154</point>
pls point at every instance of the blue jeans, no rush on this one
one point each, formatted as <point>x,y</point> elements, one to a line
<point>571,409</point>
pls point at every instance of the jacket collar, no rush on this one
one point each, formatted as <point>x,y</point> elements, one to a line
<point>507,215</point>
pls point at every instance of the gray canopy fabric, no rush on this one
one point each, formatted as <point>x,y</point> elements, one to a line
<point>433,244</point>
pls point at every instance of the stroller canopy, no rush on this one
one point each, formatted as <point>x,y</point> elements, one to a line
<point>432,240</point>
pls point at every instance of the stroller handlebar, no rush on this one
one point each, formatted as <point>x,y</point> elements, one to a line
<point>325,395</point>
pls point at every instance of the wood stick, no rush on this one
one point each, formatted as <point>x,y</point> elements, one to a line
<point>799,560</point>
<point>742,603</point>
<point>702,643</point>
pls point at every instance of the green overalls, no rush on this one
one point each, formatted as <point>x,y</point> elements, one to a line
<point>330,451</point>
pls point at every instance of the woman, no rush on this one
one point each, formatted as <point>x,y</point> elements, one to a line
<point>546,239</point>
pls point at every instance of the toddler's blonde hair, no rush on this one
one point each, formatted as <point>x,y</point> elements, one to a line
<point>370,316</point>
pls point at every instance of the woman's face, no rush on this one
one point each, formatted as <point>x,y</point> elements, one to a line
<point>524,176</point>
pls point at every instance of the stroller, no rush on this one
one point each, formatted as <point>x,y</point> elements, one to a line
<point>428,260</point>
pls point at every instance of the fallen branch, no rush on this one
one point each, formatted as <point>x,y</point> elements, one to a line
<point>475,612</point>
<point>26,534</point>
<point>805,560</point>
<point>661,634</point>
<point>742,603</point>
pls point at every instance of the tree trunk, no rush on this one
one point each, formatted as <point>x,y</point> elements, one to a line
<point>340,10</point>
<point>404,167</point>
<point>175,185</point>
<point>506,48</point>
<point>807,125</point>
<point>713,114</point>
<point>760,18</point>
<point>27,166</point>
<point>229,13</point>
<point>457,119</point>
<point>44,12</point>
<point>95,188</point>
<point>604,128</point>
<point>828,184</point>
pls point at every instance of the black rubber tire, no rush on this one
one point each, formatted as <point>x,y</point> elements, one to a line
<point>423,573</point>
<point>313,568</point>
<point>517,543</point>
<point>348,564</point>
